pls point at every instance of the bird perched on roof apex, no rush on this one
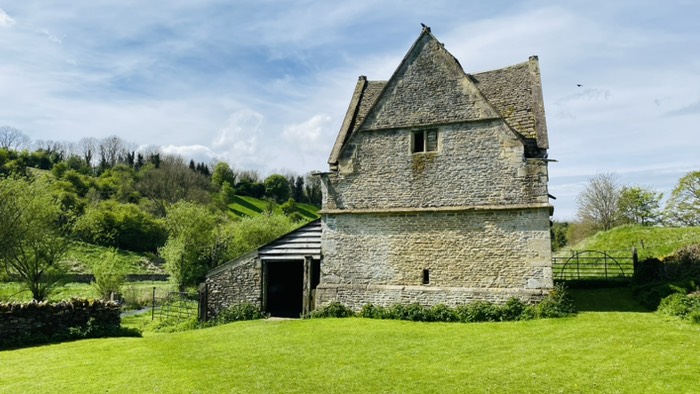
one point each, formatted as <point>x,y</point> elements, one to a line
<point>425,27</point>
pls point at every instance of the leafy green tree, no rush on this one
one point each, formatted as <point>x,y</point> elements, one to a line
<point>110,274</point>
<point>638,205</point>
<point>192,237</point>
<point>683,207</point>
<point>277,187</point>
<point>250,233</point>
<point>31,244</point>
<point>222,173</point>
<point>558,232</point>
<point>124,226</point>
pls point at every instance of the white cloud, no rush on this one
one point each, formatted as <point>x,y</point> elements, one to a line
<point>238,141</point>
<point>309,135</point>
<point>5,20</point>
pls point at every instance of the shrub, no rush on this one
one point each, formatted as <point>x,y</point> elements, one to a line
<point>334,309</point>
<point>677,304</point>
<point>238,313</point>
<point>683,264</point>
<point>557,304</point>
<point>651,294</point>
<point>514,309</point>
<point>479,311</point>
<point>647,270</point>
<point>110,275</point>
<point>371,311</point>
<point>443,313</point>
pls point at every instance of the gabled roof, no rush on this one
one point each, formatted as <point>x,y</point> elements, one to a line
<point>293,246</point>
<point>430,87</point>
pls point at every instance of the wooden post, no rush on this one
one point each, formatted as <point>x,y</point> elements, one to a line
<point>203,302</point>
<point>306,289</point>
<point>635,261</point>
<point>153,303</point>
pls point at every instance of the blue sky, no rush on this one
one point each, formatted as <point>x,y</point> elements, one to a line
<point>265,84</point>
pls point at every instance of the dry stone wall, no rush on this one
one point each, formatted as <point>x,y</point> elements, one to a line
<point>235,284</point>
<point>26,322</point>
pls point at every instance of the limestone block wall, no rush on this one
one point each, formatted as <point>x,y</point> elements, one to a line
<point>234,284</point>
<point>476,164</point>
<point>471,254</point>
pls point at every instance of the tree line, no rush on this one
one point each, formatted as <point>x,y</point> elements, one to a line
<point>605,203</point>
<point>106,192</point>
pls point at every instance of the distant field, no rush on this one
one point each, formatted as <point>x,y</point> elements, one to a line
<point>593,352</point>
<point>249,206</point>
<point>649,241</point>
<point>11,291</point>
<point>80,257</point>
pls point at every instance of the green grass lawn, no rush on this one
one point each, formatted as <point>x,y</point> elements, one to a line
<point>649,241</point>
<point>592,352</point>
<point>249,206</point>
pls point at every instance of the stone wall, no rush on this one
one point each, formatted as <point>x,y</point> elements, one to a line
<point>476,164</point>
<point>238,282</point>
<point>471,254</point>
<point>26,322</point>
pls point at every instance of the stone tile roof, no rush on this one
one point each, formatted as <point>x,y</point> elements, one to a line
<point>514,92</point>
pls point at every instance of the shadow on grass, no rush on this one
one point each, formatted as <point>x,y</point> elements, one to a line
<point>610,299</point>
<point>245,204</point>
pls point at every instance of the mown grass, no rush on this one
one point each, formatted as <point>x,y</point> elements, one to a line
<point>250,206</point>
<point>593,352</point>
<point>649,241</point>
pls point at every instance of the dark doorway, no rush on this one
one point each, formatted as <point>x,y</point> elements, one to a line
<point>285,281</point>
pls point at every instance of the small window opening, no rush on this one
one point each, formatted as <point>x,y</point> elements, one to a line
<point>425,141</point>
<point>426,276</point>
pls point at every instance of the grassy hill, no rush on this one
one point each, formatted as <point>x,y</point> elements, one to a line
<point>592,352</point>
<point>649,241</point>
<point>250,206</point>
<point>81,255</point>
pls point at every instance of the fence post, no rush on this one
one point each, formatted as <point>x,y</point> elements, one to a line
<point>153,303</point>
<point>635,260</point>
<point>203,302</point>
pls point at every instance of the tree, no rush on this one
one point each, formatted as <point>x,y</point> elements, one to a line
<point>30,241</point>
<point>191,239</point>
<point>683,207</point>
<point>87,147</point>
<point>172,181</point>
<point>277,187</point>
<point>638,205</point>
<point>558,232</point>
<point>598,202</point>
<point>12,138</point>
<point>222,173</point>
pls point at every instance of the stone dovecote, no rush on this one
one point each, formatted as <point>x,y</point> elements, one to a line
<point>437,189</point>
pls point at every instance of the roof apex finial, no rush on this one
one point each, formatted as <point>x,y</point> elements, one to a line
<point>425,27</point>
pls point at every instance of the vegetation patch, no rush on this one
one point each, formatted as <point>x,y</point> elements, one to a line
<point>557,304</point>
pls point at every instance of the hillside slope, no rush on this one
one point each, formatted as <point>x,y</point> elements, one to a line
<point>649,241</point>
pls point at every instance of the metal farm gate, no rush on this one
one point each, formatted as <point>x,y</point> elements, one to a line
<point>594,265</point>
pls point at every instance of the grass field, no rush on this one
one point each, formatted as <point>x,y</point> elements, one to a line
<point>649,241</point>
<point>11,291</point>
<point>623,350</point>
<point>249,206</point>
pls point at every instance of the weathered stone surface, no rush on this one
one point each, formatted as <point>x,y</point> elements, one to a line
<point>235,284</point>
<point>476,164</point>
<point>471,253</point>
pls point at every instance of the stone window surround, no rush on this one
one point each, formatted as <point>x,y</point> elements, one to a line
<point>424,140</point>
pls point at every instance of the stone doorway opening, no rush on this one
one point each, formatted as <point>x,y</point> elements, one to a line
<point>285,289</point>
